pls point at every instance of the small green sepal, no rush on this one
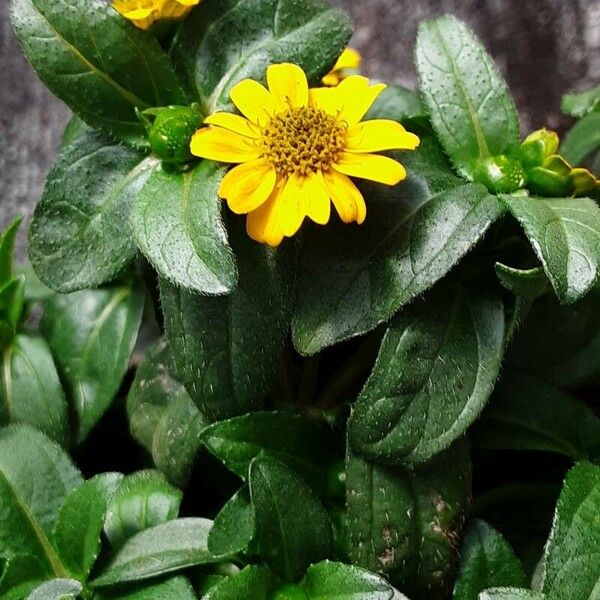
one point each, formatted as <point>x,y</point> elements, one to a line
<point>537,147</point>
<point>500,174</point>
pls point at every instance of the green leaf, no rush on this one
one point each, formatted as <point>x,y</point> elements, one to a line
<point>560,344</point>
<point>486,560</point>
<point>31,391</point>
<point>19,575</point>
<point>80,522</point>
<point>172,546</point>
<point>579,104</point>
<point>353,278</point>
<point>583,139</point>
<point>74,129</point>
<point>436,369</point>
<point>96,62</point>
<point>469,102</point>
<point>293,530</point>
<point>572,559</point>
<point>510,594</point>
<point>336,581</point>
<point>142,500</point>
<point>234,527</point>
<point>92,334</point>
<point>252,583</point>
<point>174,588</point>
<point>527,413</point>
<point>226,350</point>
<point>293,439</point>
<point>7,248</point>
<point>565,235</point>
<point>225,41</point>
<point>176,222</point>
<point>524,283</point>
<point>163,418</point>
<point>404,524</point>
<point>36,476</point>
<point>398,104</point>
<point>57,589</point>
<point>79,236</point>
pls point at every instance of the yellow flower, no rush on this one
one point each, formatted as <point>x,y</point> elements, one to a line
<point>296,149</point>
<point>143,13</point>
<point>349,59</point>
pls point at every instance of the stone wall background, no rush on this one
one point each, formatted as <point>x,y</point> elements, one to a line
<point>544,48</point>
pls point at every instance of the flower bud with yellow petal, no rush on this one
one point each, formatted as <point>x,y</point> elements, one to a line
<point>552,179</point>
<point>347,64</point>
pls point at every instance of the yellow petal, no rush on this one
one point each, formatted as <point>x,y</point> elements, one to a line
<point>317,205</point>
<point>346,197</point>
<point>380,134</point>
<point>137,14</point>
<point>248,186</point>
<point>221,145</point>
<point>253,100</point>
<point>233,123</point>
<point>291,206</point>
<point>262,224</point>
<point>371,166</point>
<point>325,99</point>
<point>288,86</point>
<point>189,2</point>
<point>331,79</point>
<point>354,97</point>
<point>349,59</point>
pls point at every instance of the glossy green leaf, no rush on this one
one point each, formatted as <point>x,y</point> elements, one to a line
<point>583,139</point>
<point>524,283</point>
<point>311,34</point>
<point>436,369</point>
<point>353,278</point>
<point>57,589</point>
<point>36,476</point>
<point>19,575</point>
<point>565,235</point>
<point>486,561</point>
<point>176,222</point>
<point>579,104</point>
<point>291,438</point>
<point>572,559</point>
<point>226,350</point>
<point>35,290</point>
<point>174,588</point>
<point>163,418</point>
<point>234,526</point>
<point>510,594</point>
<point>468,101</point>
<point>74,129</point>
<point>398,104</point>
<point>560,344</point>
<point>80,522</point>
<point>404,524</point>
<point>96,62</point>
<point>527,413</point>
<point>31,391</point>
<point>80,236</point>
<point>293,530</point>
<point>142,500</point>
<point>252,583</point>
<point>92,334</point>
<point>172,546</point>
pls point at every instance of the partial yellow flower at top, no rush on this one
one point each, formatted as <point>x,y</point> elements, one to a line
<point>143,13</point>
<point>297,148</point>
<point>350,59</point>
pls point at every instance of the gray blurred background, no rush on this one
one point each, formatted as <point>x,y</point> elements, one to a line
<point>544,48</point>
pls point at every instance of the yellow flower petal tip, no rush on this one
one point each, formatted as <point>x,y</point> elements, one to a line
<point>296,150</point>
<point>144,13</point>
<point>347,64</point>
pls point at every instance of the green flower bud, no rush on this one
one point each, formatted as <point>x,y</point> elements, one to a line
<point>537,147</point>
<point>584,183</point>
<point>500,174</point>
<point>552,179</point>
<point>170,130</point>
<point>289,592</point>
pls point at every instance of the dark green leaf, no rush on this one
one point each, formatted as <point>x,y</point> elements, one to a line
<point>234,526</point>
<point>31,391</point>
<point>7,247</point>
<point>436,369</point>
<point>225,41</point>
<point>176,222</point>
<point>405,524</point>
<point>252,583</point>
<point>74,129</point>
<point>293,530</point>
<point>36,476</point>
<point>398,104</point>
<point>510,594</point>
<point>469,103</point>
<point>175,588</point>
<point>565,235</point>
<point>172,546</point>
<point>579,104</point>
<point>288,437</point>
<point>572,559</point>
<point>226,350</point>
<point>92,334</point>
<point>57,589</point>
<point>142,500</point>
<point>527,413</point>
<point>19,574</point>
<point>80,236</point>
<point>582,139</point>
<point>96,62</point>
<point>486,560</point>
<point>80,522</point>
<point>525,283</point>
